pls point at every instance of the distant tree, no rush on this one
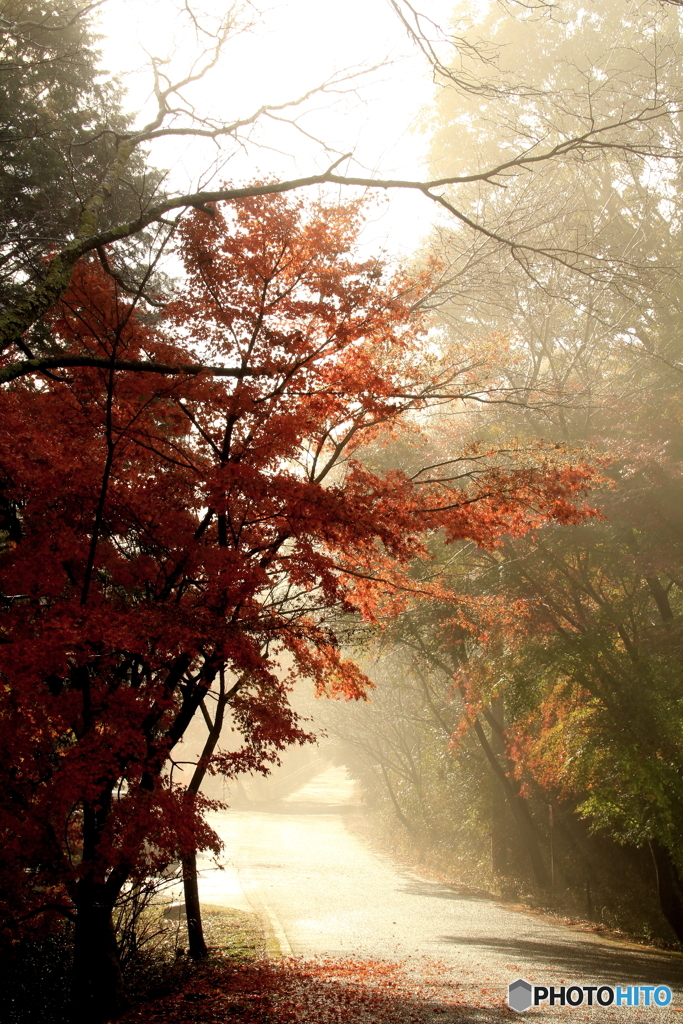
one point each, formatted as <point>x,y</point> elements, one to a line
<point>586,669</point>
<point>58,116</point>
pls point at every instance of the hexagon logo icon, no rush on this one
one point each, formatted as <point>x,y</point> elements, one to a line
<point>519,995</point>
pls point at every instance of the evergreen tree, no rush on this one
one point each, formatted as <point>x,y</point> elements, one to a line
<point>59,115</point>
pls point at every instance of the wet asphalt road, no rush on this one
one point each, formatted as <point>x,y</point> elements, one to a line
<point>323,892</point>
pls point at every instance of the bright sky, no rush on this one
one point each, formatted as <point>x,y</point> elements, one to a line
<point>294,45</point>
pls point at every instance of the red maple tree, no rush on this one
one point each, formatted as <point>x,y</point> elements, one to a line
<point>166,532</point>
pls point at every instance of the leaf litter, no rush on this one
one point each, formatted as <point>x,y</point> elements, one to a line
<point>322,990</point>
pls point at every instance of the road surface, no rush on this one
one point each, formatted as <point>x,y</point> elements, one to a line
<point>325,893</point>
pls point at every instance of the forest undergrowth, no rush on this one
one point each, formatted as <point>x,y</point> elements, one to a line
<point>37,989</point>
<point>619,907</point>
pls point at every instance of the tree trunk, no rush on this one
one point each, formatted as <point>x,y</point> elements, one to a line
<point>195,931</point>
<point>499,845</point>
<point>499,841</point>
<point>397,808</point>
<point>519,810</point>
<point>98,992</point>
<point>669,886</point>
<point>518,807</point>
<point>193,910</point>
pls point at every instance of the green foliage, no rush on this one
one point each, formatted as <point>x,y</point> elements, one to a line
<point>591,681</point>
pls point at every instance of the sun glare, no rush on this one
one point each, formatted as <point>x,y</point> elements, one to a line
<point>277,56</point>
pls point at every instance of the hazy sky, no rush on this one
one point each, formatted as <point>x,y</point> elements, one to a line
<point>293,46</point>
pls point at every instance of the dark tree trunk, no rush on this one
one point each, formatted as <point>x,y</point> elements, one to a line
<point>517,804</point>
<point>518,807</point>
<point>98,992</point>
<point>499,839</point>
<point>669,886</point>
<point>397,807</point>
<point>499,843</point>
<point>195,931</point>
<point>193,910</point>
<point>519,810</point>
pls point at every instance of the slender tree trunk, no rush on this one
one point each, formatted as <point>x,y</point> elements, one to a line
<point>520,812</point>
<point>98,992</point>
<point>499,846</point>
<point>516,803</point>
<point>499,842</point>
<point>669,886</point>
<point>195,931</point>
<point>397,808</point>
<point>193,910</point>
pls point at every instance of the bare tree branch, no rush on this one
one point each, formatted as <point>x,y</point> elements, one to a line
<point>619,134</point>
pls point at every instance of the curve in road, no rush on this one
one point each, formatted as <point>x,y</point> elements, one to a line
<point>325,893</point>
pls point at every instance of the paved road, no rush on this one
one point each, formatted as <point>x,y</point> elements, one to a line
<point>326,893</point>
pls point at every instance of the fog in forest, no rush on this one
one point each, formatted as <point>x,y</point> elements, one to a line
<point>363,395</point>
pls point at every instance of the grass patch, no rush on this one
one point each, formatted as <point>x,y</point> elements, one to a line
<point>234,933</point>
<point>163,966</point>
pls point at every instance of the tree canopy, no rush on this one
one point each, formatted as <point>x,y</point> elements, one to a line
<point>563,648</point>
<point>169,532</point>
